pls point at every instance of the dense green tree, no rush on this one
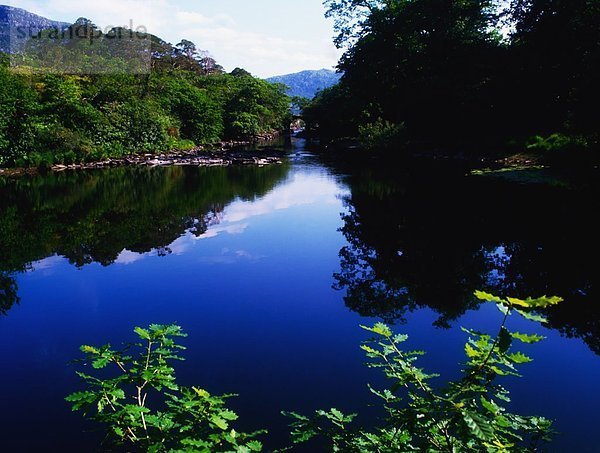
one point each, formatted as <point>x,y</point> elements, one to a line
<point>419,62</point>
<point>67,112</point>
<point>17,107</point>
<point>472,74</point>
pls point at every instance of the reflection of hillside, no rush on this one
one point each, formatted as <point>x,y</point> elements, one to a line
<point>431,238</point>
<point>93,216</point>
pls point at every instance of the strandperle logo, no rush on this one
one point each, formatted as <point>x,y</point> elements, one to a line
<point>24,33</point>
<point>81,48</point>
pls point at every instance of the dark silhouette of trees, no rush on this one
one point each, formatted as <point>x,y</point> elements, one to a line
<point>469,74</point>
<point>428,237</point>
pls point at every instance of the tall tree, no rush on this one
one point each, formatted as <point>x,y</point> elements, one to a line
<point>422,62</point>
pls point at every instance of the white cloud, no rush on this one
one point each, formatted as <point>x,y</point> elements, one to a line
<point>262,54</point>
<point>47,264</point>
<point>217,230</point>
<point>127,257</point>
<point>302,190</point>
<point>187,18</point>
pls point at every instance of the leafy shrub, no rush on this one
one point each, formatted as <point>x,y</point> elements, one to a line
<point>181,145</point>
<point>380,135</point>
<point>200,116</point>
<point>556,143</point>
<point>68,146</point>
<point>138,126</point>
<point>557,149</point>
<point>464,415</point>
<point>145,409</point>
<point>244,124</point>
<point>17,108</point>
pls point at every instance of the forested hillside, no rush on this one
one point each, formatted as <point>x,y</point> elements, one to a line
<point>56,115</point>
<point>306,84</point>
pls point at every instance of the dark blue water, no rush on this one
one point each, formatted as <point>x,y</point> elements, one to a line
<point>270,271</point>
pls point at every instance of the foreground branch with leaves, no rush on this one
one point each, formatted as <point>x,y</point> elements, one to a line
<point>145,409</point>
<point>463,415</point>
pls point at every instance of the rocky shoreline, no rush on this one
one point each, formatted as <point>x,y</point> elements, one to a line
<point>226,154</point>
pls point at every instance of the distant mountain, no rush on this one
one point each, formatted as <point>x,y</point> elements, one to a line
<point>17,22</point>
<point>306,84</point>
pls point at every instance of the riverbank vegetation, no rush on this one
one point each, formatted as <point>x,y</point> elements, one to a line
<point>480,77</point>
<point>142,406</point>
<point>185,100</point>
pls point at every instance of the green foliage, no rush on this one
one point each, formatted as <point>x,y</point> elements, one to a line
<point>466,76</point>
<point>186,99</point>
<point>554,142</point>
<point>468,414</point>
<point>144,408</point>
<point>17,106</point>
<point>200,117</point>
<point>256,106</point>
<point>380,134</point>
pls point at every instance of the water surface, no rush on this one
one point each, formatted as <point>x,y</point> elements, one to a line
<point>271,270</point>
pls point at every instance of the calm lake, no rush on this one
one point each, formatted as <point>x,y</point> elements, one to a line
<point>272,270</point>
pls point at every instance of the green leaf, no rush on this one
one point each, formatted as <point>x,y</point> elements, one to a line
<point>479,426</point>
<point>487,297</point>
<point>79,396</point>
<point>142,333</point>
<point>490,406</point>
<point>544,302</point>
<point>81,399</point>
<point>201,392</point>
<point>519,358</point>
<point>527,338</point>
<point>499,371</point>
<point>255,445</point>
<point>228,415</point>
<point>380,329</point>
<point>337,414</point>
<point>532,316</point>
<point>219,422</point>
<point>518,302</point>
<point>471,352</point>
<point>295,416</point>
<point>101,362</point>
<point>369,350</point>
<point>89,349</point>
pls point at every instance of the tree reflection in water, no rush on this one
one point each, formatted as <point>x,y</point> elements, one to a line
<point>92,216</point>
<point>430,237</point>
<point>8,293</point>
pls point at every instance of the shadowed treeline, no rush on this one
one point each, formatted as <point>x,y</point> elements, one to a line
<point>483,77</point>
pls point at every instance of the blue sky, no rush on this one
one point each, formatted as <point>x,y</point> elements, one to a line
<point>266,37</point>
